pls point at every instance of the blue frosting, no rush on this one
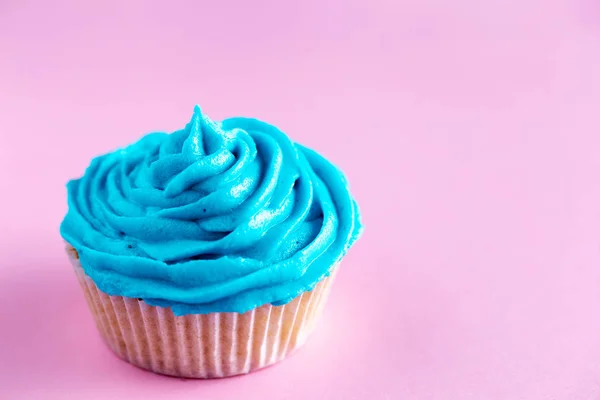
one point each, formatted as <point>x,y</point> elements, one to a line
<point>216,217</point>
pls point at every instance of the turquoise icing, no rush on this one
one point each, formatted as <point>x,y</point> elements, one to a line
<point>217,217</point>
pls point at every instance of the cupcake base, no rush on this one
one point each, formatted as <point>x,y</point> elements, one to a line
<point>214,345</point>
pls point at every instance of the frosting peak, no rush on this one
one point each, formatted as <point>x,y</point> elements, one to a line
<point>216,217</point>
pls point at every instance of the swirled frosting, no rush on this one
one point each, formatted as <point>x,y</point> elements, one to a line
<point>216,217</point>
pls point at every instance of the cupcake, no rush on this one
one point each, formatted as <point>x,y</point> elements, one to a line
<point>210,251</point>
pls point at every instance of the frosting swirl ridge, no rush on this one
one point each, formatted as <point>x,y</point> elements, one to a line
<point>216,217</point>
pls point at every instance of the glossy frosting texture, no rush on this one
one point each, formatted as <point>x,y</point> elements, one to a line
<point>215,217</point>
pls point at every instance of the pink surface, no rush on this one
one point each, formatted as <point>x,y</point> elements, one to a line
<point>468,129</point>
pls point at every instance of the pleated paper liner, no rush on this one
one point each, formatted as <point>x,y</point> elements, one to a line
<point>215,345</point>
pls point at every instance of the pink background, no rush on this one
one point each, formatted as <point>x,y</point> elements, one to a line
<point>469,130</point>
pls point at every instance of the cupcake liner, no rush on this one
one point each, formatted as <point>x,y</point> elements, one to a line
<point>214,345</point>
